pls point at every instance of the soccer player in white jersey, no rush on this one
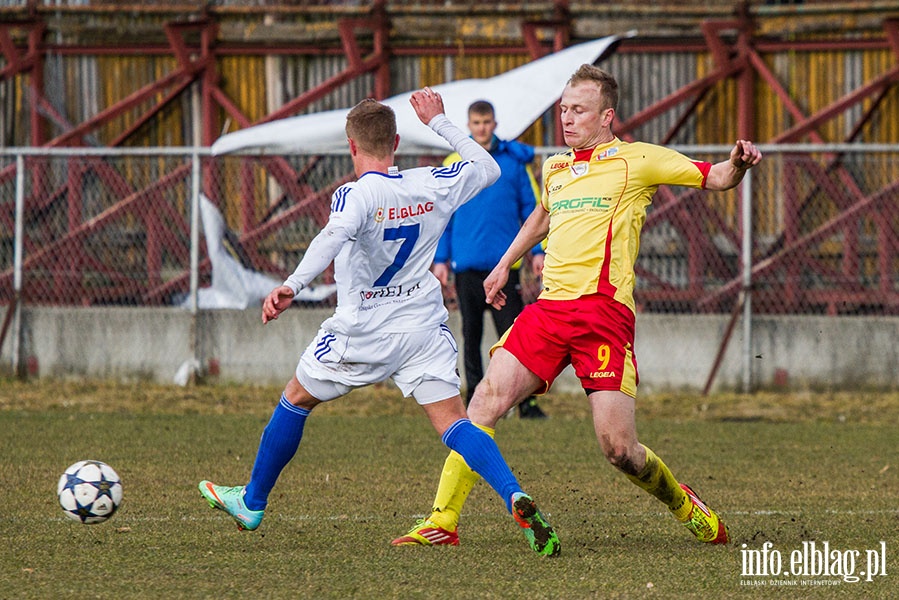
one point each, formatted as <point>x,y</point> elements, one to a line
<point>390,320</point>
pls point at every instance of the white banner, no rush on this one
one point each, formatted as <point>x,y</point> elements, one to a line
<point>520,96</point>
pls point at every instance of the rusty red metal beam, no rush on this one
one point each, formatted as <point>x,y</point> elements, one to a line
<point>179,78</point>
<point>66,243</point>
<point>357,66</point>
<point>20,62</point>
<point>148,116</point>
<point>805,126</point>
<point>249,238</point>
<point>677,97</point>
<point>859,208</point>
<point>738,59</point>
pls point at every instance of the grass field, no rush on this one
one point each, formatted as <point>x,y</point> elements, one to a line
<point>780,469</point>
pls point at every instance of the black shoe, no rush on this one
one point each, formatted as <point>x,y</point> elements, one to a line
<point>529,409</point>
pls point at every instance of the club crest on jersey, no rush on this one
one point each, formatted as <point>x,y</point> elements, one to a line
<point>379,216</point>
<point>579,169</point>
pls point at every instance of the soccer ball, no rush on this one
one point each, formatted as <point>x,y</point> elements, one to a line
<point>89,491</point>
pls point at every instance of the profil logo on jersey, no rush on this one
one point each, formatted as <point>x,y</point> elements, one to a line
<point>584,204</point>
<point>403,212</point>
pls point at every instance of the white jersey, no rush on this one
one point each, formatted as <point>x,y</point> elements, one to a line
<point>382,235</point>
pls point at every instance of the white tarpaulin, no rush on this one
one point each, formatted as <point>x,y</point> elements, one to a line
<point>233,285</point>
<point>520,97</point>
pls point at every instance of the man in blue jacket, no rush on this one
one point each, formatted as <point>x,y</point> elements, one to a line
<point>476,238</point>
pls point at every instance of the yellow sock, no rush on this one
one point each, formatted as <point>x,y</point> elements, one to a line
<point>456,482</point>
<point>656,478</point>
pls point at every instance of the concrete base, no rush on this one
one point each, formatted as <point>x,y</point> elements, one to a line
<point>673,351</point>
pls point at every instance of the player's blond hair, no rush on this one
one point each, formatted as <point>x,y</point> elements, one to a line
<point>372,126</point>
<point>608,86</point>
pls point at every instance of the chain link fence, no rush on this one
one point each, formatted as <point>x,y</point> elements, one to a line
<point>126,228</point>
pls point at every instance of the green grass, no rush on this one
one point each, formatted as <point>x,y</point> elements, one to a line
<point>784,469</point>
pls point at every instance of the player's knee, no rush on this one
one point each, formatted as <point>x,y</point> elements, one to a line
<point>489,403</point>
<point>485,390</point>
<point>620,455</point>
<point>297,395</point>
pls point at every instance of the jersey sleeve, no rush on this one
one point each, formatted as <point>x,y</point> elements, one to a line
<point>669,167</point>
<point>345,221</point>
<point>477,169</point>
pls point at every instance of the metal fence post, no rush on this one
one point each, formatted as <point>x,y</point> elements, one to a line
<point>746,206</point>
<point>194,261</point>
<point>18,248</point>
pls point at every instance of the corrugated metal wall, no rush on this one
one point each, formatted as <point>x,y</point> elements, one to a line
<point>79,87</point>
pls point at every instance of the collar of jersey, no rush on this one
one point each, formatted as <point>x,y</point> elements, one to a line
<point>596,149</point>
<point>397,176</point>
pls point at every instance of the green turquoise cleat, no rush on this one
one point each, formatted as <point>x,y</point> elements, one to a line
<point>539,533</point>
<point>230,500</point>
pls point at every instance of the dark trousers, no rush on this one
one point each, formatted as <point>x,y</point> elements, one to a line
<point>470,296</point>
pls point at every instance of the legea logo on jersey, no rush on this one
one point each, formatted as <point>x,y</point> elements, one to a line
<point>403,212</point>
<point>602,374</point>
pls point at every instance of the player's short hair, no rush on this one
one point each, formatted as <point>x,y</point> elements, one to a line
<point>481,107</point>
<point>372,126</point>
<point>608,86</point>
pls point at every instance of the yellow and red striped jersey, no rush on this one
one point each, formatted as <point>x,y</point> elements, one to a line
<point>597,200</point>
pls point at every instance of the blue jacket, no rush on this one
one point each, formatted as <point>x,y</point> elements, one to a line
<point>481,230</point>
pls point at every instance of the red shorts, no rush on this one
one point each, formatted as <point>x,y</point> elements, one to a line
<point>594,334</point>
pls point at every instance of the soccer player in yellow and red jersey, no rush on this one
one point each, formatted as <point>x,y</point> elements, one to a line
<point>594,204</point>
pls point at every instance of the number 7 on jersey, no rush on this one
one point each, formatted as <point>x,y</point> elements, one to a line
<point>409,235</point>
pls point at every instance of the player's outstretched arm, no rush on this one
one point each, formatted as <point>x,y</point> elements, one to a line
<point>728,173</point>
<point>276,302</point>
<point>428,106</point>
<point>533,231</point>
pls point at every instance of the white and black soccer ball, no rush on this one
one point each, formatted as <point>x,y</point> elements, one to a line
<point>89,491</point>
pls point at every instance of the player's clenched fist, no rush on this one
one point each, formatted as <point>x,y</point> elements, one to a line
<point>276,302</point>
<point>427,104</point>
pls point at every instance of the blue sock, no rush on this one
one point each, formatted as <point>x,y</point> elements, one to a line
<point>483,456</point>
<point>279,443</point>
